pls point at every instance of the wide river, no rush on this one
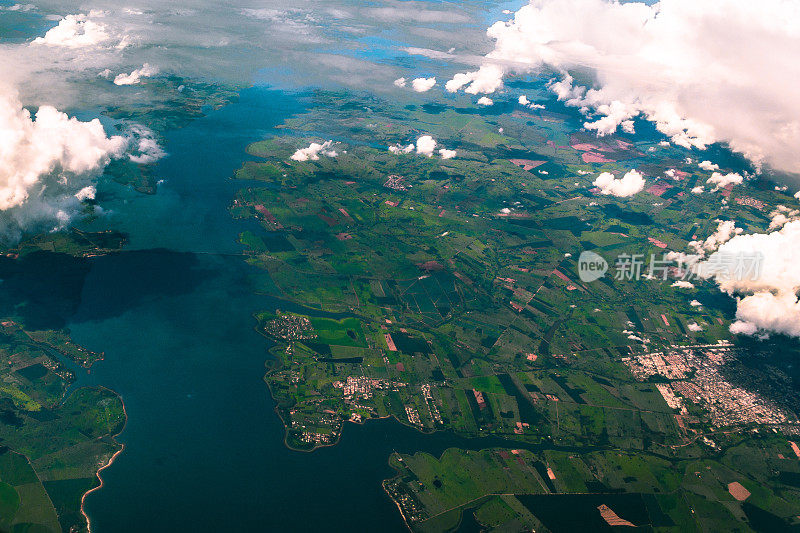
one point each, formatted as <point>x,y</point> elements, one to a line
<point>203,446</point>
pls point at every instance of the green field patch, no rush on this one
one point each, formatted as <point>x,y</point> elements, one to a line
<point>494,512</point>
<point>252,170</point>
<point>460,476</point>
<point>20,399</point>
<point>344,332</point>
<point>36,512</point>
<point>488,384</point>
<point>571,472</point>
<point>15,469</point>
<point>351,351</point>
<point>9,503</point>
<point>66,496</point>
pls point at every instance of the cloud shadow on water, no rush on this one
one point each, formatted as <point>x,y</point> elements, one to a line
<point>120,282</point>
<point>46,290</point>
<point>42,288</point>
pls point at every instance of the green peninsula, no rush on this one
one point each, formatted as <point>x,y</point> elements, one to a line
<point>53,437</point>
<point>445,293</point>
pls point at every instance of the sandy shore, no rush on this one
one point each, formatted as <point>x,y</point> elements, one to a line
<point>99,470</point>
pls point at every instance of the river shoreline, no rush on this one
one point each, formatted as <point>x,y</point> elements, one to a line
<point>103,467</point>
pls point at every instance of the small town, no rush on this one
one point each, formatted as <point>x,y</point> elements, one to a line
<point>290,327</point>
<point>396,183</point>
<point>359,387</point>
<point>694,373</point>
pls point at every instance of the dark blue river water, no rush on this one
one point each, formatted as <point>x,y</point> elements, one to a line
<point>203,447</point>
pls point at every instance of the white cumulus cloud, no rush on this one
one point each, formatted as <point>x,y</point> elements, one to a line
<point>703,72</point>
<point>87,193</point>
<point>313,151</point>
<point>422,85</point>
<point>399,149</point>
<point>708,165</point>
<point>143,147</point>
<point>782,215</point>
<point>485,101</point>
<point>767,295</point>
<point>631,183</point>
<point>720,181</point>
<point>75,31</point>
<point>726,229</point>
<point>487,79</point>
<point>523,100</point>
<point>47,161</point>
<point>136,75</point>
<point>426,145</point>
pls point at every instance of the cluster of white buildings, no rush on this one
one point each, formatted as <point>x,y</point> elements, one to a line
<point>290,327</point>
<point>694,373</point>
<point>433,410</point>
<point>359,387</point>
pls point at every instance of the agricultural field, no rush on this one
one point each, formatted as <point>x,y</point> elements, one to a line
<point>446,293</point>
<point>516,489</point>
<point>53,442</point>
<point>54,439</point>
